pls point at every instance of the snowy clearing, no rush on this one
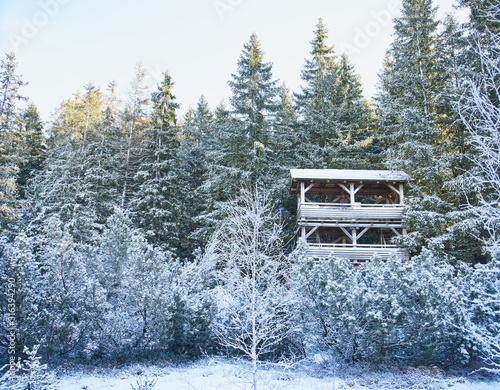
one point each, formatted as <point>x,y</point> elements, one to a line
<point>228,374</point>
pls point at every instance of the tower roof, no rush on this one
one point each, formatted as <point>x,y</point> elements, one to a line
<point>355,175</point>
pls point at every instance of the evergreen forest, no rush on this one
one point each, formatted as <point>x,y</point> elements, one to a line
<point>131,231</point>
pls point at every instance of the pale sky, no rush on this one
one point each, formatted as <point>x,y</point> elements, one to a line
<point>61,45</point>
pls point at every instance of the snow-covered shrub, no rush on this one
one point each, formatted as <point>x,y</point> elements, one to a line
<point>483,320</point>
<point>144,301</point>
<point>36,377</point>
<point>20,272</point>
<point>51,289</point>
<point>382,310</point>
<point>30,373</point>
<point>144,384</point>
<point>116,296</point>
<point>65,314</point>
<point>197,311</point>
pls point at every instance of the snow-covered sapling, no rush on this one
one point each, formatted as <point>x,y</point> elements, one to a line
<point>246,254</point>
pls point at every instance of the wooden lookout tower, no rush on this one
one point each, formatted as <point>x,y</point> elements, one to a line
<point>352,214</point>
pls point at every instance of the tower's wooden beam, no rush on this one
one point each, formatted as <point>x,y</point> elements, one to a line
<point>364,231</point>
<point>344,188</point>
<point>395,231</point>
<point>393,188</point>
<point>357,189</point>
<point>401,193</point>
<point>309,187</point>
<point>346,233</point>
<point>312,231</point>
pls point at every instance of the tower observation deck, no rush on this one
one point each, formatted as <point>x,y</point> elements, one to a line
<point>353,214</point>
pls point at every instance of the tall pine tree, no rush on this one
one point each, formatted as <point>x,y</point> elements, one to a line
<point>155,203</point>
<point>10,84</point>
<point>197,143</point>
<point>322,60</point>
<point>134,120</point>
<point>337,123</point>
<point>414,133</point>
<point>244,142</point>
<point>33,149</point>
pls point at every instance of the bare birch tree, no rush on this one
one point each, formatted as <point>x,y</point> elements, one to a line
<point>250,294</point>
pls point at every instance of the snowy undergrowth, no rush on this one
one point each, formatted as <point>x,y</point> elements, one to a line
<point>226,374</point>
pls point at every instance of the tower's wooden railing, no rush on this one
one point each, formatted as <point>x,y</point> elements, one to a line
<point>311,211</point>
<point>358,253</point>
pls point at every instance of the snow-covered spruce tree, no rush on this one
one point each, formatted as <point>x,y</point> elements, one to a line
<point>286,122</point>
<point>155,202</point>
<point>212,187</point>
<point>77,117</point>
<point>412,130</point>
<point>245,145</point>
<point>286,139</point>
<point>197,142</point>
<point>32,149</point>
<point>78,182</point>
<point>254,91</point>
<point>144,301</point>
<point>322,61</point>
<point>337,124</point>
<point>381,311</point>
<point>103,159</point>
<point>10,83</point>
<point>480,110</point>
<point>460,239</point>
<point>250,271</point>
<point>133,121</point>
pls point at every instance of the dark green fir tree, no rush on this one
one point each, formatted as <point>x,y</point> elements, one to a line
<point>337,124</point>
<point>413,130</point>
<point>33,149</point>
<point>155,204</point>
<point>10,96</point>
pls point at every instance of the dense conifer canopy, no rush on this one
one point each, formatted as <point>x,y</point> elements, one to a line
<point>136,229</point>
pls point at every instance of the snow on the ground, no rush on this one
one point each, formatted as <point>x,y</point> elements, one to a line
<point>211,374</point>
